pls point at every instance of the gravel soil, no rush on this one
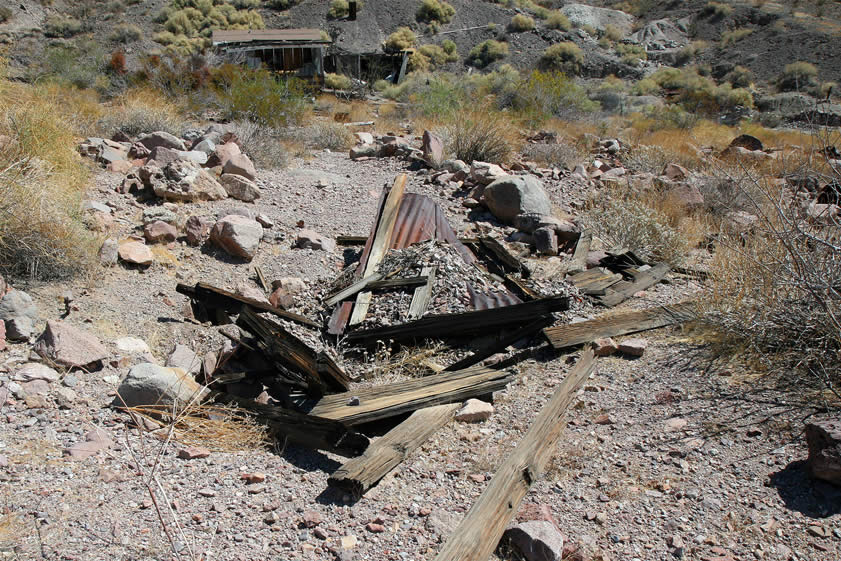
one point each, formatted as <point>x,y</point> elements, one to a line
<point>672,455</point>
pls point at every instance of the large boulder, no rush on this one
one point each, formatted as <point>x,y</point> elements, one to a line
<point>163,156</point>
<point>19,313</point>
<point>537,540</point>
<point>186,181</point>
<point>136,253</point>
<point>151,384</point>
<point>70,346</point>
<point>240,164</point>
<point>511,195</point>
<point>582,15</point>
<point>160,138</point>
<point>222,153</point>
<point>824,440</point>
<point>239,187</point>
<point>237,235</point>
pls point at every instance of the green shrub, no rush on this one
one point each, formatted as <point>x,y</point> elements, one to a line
<point>487,52</point>
<point>337,81</point>
<point>544,95</point>
<point>565,56</point>
<point>727,96</point>
<point>281,4</point>
<point>435,11</point>
<point>590,30</point>
<point>557,20</point>
<point>257,96</point>
<point>739,77</point>
<point>631,54</point>
<point>192,22</point>
<point>126,33</point>
<point>690,51</point>
<point>646,86</point>
<point>81,64</point>
<point>612,84</point>
<point>450,49</point>
<point>478,135</point>
<point>439,96</point>
<point>327,134</point>
<point>338,9</point>
<point>798,76</point>
<point>402,39</point>
<point>164,37</point>
<point>61,26</point>
<point>521,23</point>
<point>613,32</point>
<point>246,4</point>
<point>428,57</point>
<point>5,14</point>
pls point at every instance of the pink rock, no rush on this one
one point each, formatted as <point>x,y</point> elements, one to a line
<point>160,232</point>
<point>239,164</point>
<point>120,166</point>
<point>251,478</point>
<point>95,440</point>
<point>605,347</point>
<point>311,519</point>
<point>197,230</point>
<point>633,347</point>
<point>193,453</point>
<point>308,239</point>
<point>222,154</point>
<point>35,387</point>
<point>675,172</point>
<point>136,253</point>
<point>474,411</point>
<point>2,335</point>
<point>70,346</point>
<point>433,149</point>
<point>375,528</point>
<point>281,298</point>
<point>237,235</point>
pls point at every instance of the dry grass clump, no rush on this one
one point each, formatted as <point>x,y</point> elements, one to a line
<point>559,154</point>
<point>42,182</point>
<point>481,135</point>
<point>565,57</point>
<point>337,81</point>
<point>435,11</point>
<point>521,23</point>
<point>267,146</point>
<point>142,110</point>
<point>798,76</point>
<point>218,428</point>
<point>487,52</point>
<point>557,20</point>
<point>403,38</point>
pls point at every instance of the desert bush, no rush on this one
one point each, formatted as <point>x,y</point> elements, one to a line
<point>402,39</point>
<point>259,97</point>
<point>326,134</point>
<point>557,20</point>
<point>520,23</point>
<point>281,4</point>
<point>613,32</point>
<point>61,26</point>
<point>450,49</point>
<point>42,183</point>
<point>776,290</point>
<point>560,154</point>
<point>5,14</point>
<point>645,158</point>
<point>826,89</point>
<point>631,54</point>
<point>81,64</point>
<point>689,52</point>
<point>798,76</point>
<point>125,33</point>
<point>337,81</point>
<point>717,10</point>
<point>645,86</point>
<point>633,223</point>
<point>192,21</point>
<point>339,9</point>
<point>139,111</point>
<point>544,95</point>
<point>733,37</point>
<point>727,97</point>
<point>480,135</point>
<point>487,52</point>
<point>438,96</point>
<point>565,57</point>
<point>435,11</point>
<point>265,145</point>
<point>740,77</point>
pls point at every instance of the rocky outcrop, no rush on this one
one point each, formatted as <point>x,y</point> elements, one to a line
<point>512,195</point>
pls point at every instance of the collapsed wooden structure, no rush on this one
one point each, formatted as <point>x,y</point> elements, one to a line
<point>298,52</point>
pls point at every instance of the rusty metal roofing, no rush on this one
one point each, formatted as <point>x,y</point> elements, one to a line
<point>221,37</point>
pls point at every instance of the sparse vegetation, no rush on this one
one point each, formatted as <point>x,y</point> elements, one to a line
<point>191,23</point>
<point>565,56</point>
<point>740,77</point>
<point>689,52</point>
<point>341,8</point>
<point>337,81</point>
<point>402,39</point>
<point>557,20</point>
<point>521,23</point>
<point>435,11</point>
<point>5,14</point>
<point>798,76</point>
<point>487,52</point>
<point>126,33</point>
<point>729,38</point>
<point>718,10</point>
<point>613,32</point>
<point>477,135</point>
<point>631,54</point>
<point>61,26</point>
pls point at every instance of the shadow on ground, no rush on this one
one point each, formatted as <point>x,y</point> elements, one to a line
<point>805,494</point>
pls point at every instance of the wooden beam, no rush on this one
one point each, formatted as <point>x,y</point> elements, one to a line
<point>262,278</point>
<point>564,336</point>
<point>359,474</point>
<point>379,247</point>
<point>501,343</point>
<point>479,532</point>
<point>578,262</point>
<point>351,290</point>
<point>216,298</point>
<point>389,400</point>
<point>510,263</point>
<point>422,295</point>
<point>620,292</point>
<point>594,282</point>
<point>305,430</point>
<point>456,325</point>
<point>403,282</point>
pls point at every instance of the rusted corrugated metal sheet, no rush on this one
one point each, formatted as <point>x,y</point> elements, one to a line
<point>418,219</point>
<point>221,37</point>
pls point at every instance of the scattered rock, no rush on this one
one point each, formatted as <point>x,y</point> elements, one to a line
<point>375,528</point>
<point>159,232</point>
<point>239,187</point>
<point>184,358</point>
<point>35,371</point>
<point>193,453</point>
<point>95,440</point>
<point>135,252</point>
<point>222,154</point>
<point>485,173</point>
<point>512,195</point>
<point>747,142</point>
<point>70,346</point>
<point>19,313</point>
<point>150,384</point>
<point>546,241</point>
<point>132,345</point>
<point>65,398</point>
<point>237,235</point>
<point>364,151</point>
<point>240,164</point>
<point>433,149</point>
<point>252,478</point>
<point>163,156</point>
<point>308,239</point>
<point>824,441</point>
<point>537,540</point>
<point>364,137</point>
<point>160,138</point>
<point>109,252</point>
<point>675,172</point>
<point>676,423</point>
<point>34,387</point>
<point>186,181</point>
<point>281,298</point>
<point>197,230</point>
<point>474,411</point>
<point>605,347</point>
<point>633,347</point>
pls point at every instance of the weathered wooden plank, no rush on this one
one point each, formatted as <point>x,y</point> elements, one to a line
<point>578,262</point>
<point>510,263</point>
<point>564,336</point>
<point>320,374</point>
<point>262,278</point>
<point>422,295</point>
<point>620,292</point>
<point>401,282</point>
<point>351,240</point>
<point>359,474</point>
<point>354,288</point>
<point>479,532</point>
<point>389,400</point>
<point>228,302</point>
<point>501,343</point>
<point>379,247</point>
<point>519,288</point>
<point>595,282</point>
<point>305,430</point>
<point>455,325</point>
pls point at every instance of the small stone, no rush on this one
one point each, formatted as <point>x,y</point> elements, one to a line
<point>136,253</point>
<point>474,411</point>
<point>65,397</point>
<point>271,518</point>
<point>251,478</point>
<point>95,441</point>
<point>817,531</point>
<point>159,232</point>
<point>675,424</point>
<point>605,347</point>
<point>36,401</point>
<point>308,239</point>
<point>109,252</point>
<point>35,371</point>
<point>349,542</point>
<point>193,452</point>
<point>197,229</point>
<point>633,347</point>
<point>311,519</point>
<point>375,528</point>
<point>237,235</point>
<point>185,358</point>
<point>603,419</point>
<point>207,492</point>
<point>537,540</point>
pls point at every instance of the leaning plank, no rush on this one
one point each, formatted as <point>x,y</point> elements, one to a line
<point>379,247</point>
<point>351,290</point>
<point>456,325</point>
<point>305,430</point>
<point>216,298</point>
<point>578,262</point>
<point>564,336</point>
<point>422,295</point>
<point>320,374</point>
<point>359,474</point>
<point>510,263</point>
<point>595,282</point>
<point>622,291</point>
<point>479,532</point>
<point>389,400</point>
<point>501,343</point>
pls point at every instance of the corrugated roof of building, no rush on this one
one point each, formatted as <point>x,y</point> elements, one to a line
<point>268,35</point>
